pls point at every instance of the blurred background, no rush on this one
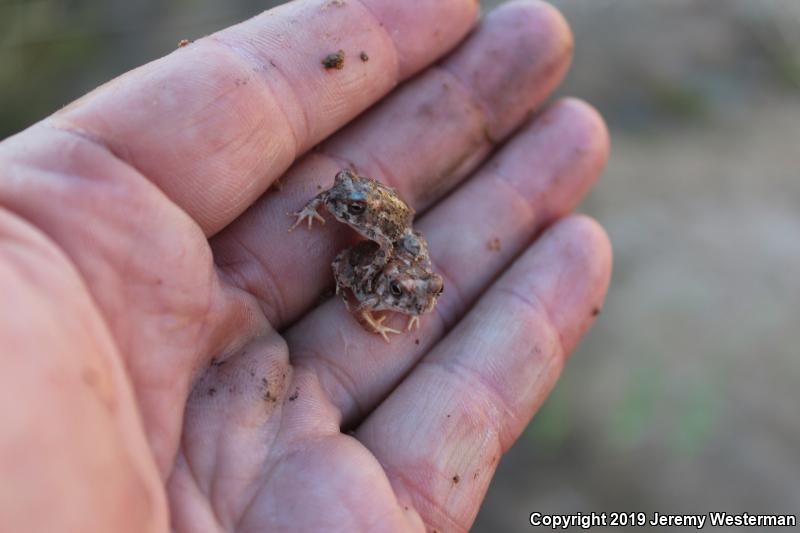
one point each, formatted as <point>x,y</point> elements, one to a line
<point>685,397</point>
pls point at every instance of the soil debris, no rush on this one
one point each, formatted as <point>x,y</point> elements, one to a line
<point>334,61</point>
<point>487,135</point>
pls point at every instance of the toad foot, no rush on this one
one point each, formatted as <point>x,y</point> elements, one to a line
<point>308,213</point>
<point>377,325</point>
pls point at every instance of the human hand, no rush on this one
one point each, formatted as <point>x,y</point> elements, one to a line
<point>167,355</point>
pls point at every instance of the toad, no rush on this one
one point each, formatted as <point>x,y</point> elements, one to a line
<point>405,284</point>
<point>366,205</point>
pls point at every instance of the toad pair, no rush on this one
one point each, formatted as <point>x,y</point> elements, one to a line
<point>391,271</point>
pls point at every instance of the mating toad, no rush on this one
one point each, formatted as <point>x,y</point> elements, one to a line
<point>369,207</point>
<point>405,284</point>
<point>389,272</point>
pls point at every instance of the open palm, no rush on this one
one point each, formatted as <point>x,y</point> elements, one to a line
<point>173,356</point>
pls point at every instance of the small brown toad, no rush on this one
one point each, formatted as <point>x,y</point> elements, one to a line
<point>369,207</point>
<point>404,285</point>
<point>391,271</point>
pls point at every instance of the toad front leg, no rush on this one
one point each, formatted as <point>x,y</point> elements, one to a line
<point>310,211</point>
<point>377,325</point>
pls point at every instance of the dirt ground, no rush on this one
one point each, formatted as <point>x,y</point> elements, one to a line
<point>684,398</point>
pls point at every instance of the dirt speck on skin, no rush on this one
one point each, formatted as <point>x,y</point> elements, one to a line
<point>184,42</point>
<point>456,479</point>
<point>494,245</point>
<point>488,136</point>
<point>335,3</point>
<point>416,341</point>
<point>295,395</point>
<point>212,391</point>
<point>268,395</point>
<point>334,61</point>
<point>596,311</point>
<point>216,362</point>
<point>364,57</point>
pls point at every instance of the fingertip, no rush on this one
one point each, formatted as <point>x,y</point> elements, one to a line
<point>516,58</point>
<point>587,236</point>
<point>543,18</point>
<point>588,130</point>
<point>418,27</point>
<point>555,159</point>
<point>583,261</point>
<point>543,23</point>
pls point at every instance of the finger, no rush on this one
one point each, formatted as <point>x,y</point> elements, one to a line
<point>214,123</point>
<point>71,441</point>
<point>422,140</point>
<point>440,434</point>
<point>540,175</point>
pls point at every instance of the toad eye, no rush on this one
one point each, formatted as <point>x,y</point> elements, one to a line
<point>355,208</point>
<point>395,289</point>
